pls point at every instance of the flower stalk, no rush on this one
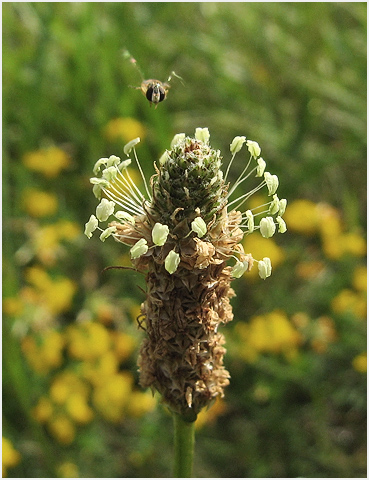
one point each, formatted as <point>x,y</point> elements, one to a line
<point>184,442</point>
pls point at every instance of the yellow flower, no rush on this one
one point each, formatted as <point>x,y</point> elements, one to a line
<point>64,385</point>
<point>260,247</point>
<point>49,161</point>
<point>10,456</point>
<point>62,428</point>
<point>124,129</point>
<point>38,277</point>
<point>46,240</point>
<point>302,216</point>
<point>354,244</point>
<point>43,410</point>
<point>56,294</point>
<point>88,341</point>
<point>347,243</point>
<point>123,345</point>
<point>330,224</point>
<point>333,247</point>
<point>141,403</point>
<point>39,204</point>
<point>359,281</point>
<point>68,470</point>
<point>269,333</point>
<point>78,409</point>
<point>68,230</point>
<point>13,306</point>
<point>209,415</point>
<point>44,351</point>
<point>360,363</point>
<point>60,294</point>
<point>97,370</point>
<point>111,397</point>
<point>135,311</point>
<point>349,301</point>
<point>46,244</point>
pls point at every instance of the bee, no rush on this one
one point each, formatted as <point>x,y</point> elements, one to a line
<point>154,90</point>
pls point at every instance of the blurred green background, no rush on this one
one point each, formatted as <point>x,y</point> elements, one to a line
<point>291,76</point>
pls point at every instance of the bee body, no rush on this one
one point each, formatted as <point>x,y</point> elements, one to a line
<point>154,90</point>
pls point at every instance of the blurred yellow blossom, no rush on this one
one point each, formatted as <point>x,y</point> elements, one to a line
<point>112,396</point>
<point>13,306</point>
<point>88,340</point>
<point>335,247</point>
<point>10,456</point>
<point>98,369</point>
<point>67,405</point>
<point>55,294</point>
<point>68,470</point>
<point>140,403</point>
<point>62,428</point>
<point>354,244</point>
<point>360,363</point>
<point>269,333</point>
<point>78,408</point>
<point>39,204</point>
<point>302,216</point>
<point>123,345</point>
<point>46,244</point>
<point>349,301</point>
<point>209,415</point>
<point>124,129</point>
<point>330,223</point>
<point>46,240</point>
<point>135,311</point>
<point>38,277</point>
<point>359,281</point>
<point>260,247</point>
<point>48,161</point>
<point>336,243</point>
<point>65,384</point>
<point>43,411</point>
<point>68,230</point>
<point>44,351</point>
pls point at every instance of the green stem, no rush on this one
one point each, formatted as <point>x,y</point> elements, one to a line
<point>184,441</point>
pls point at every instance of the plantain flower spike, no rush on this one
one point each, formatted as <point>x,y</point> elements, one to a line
<point>185,231</point>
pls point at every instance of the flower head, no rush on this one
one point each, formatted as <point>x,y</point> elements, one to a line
<point>183,230</point>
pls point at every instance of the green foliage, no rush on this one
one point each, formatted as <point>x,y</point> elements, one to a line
<point>291,76</point>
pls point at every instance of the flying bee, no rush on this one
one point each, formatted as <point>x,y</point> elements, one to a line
<point>154,90</point>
